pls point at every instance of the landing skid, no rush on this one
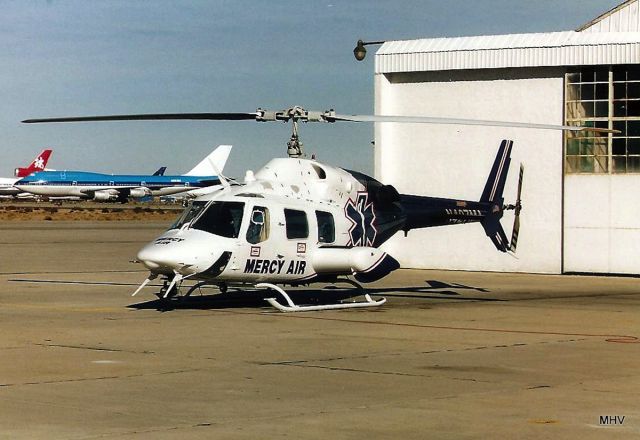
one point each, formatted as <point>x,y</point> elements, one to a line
<point>221,286</point>
<point>293,307</point>
<point>171,289</point>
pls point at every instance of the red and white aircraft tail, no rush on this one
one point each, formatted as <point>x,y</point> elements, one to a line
<point>38,164</point>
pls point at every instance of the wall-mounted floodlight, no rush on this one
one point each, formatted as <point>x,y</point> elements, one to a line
<point>360,52</point>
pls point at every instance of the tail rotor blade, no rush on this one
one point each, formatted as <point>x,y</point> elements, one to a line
<point>514,234</point>
<point>520,184</point>
<point>518,208</point>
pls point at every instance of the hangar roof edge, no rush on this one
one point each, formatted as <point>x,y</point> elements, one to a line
<point>511,50</point>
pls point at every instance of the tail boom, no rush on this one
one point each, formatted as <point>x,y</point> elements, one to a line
<point>423,212</point>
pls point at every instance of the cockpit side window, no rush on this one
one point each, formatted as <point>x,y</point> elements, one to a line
<point>297,225</point>
<point>188,214</point>
<point>221,218</point>
<point>258,230</point>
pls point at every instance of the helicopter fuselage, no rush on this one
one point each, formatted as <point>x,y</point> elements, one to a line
<point>294,222</point>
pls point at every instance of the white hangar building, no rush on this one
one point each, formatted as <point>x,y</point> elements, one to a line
<point>581,193</point>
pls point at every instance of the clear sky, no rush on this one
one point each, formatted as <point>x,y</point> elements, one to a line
<point>77,57</point>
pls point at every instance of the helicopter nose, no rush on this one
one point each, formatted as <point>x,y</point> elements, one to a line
<point>166,258</point>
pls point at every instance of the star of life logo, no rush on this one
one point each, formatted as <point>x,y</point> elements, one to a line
<point>38,163</point>
<point>360,213</point>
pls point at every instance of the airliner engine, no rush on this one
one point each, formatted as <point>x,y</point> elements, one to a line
<point>104,196</point>
<point>139,192</point>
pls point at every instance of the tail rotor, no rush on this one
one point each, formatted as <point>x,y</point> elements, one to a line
<point>517,207</point>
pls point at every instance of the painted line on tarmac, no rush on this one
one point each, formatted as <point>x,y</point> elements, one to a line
<point>61,308</point>
<point>84,283</point>
<point>74,272</point>
<point>621,339</point>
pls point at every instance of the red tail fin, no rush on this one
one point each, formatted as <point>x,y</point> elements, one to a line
<point>38,164</point>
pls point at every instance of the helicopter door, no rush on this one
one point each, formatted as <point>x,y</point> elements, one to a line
<point>260,259</point>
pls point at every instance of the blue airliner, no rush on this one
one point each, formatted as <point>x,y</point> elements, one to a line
<point>121,187</point>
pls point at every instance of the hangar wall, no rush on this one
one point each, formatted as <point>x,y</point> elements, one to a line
<point>585,221</point>
<point>602,223</point>
<point>454,161</point>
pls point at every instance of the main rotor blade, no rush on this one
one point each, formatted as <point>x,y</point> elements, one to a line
<point>152,117</point>
<point>297,114</point>
<point>456,121</point>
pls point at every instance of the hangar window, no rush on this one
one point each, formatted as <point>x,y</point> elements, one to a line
<point>603,97</point>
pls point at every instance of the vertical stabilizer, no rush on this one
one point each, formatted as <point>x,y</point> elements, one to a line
<point>492,193</point>
<point>160,171</point>
<point>494,187</point>
<point>38,164</point>
<point>213,164</point>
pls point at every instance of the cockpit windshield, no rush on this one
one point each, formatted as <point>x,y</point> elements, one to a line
<point>188,214</point>
<point>221,218</point>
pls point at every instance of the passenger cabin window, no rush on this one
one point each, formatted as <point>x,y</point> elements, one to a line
<point>258,230</point>
<point>297,225</point>
<point>221,218</point>
<point>326,227</point>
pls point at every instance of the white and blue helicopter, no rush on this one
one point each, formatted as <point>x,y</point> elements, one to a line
<point>297,221</point>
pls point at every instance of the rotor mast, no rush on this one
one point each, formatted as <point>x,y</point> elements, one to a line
<point>295,147</point>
